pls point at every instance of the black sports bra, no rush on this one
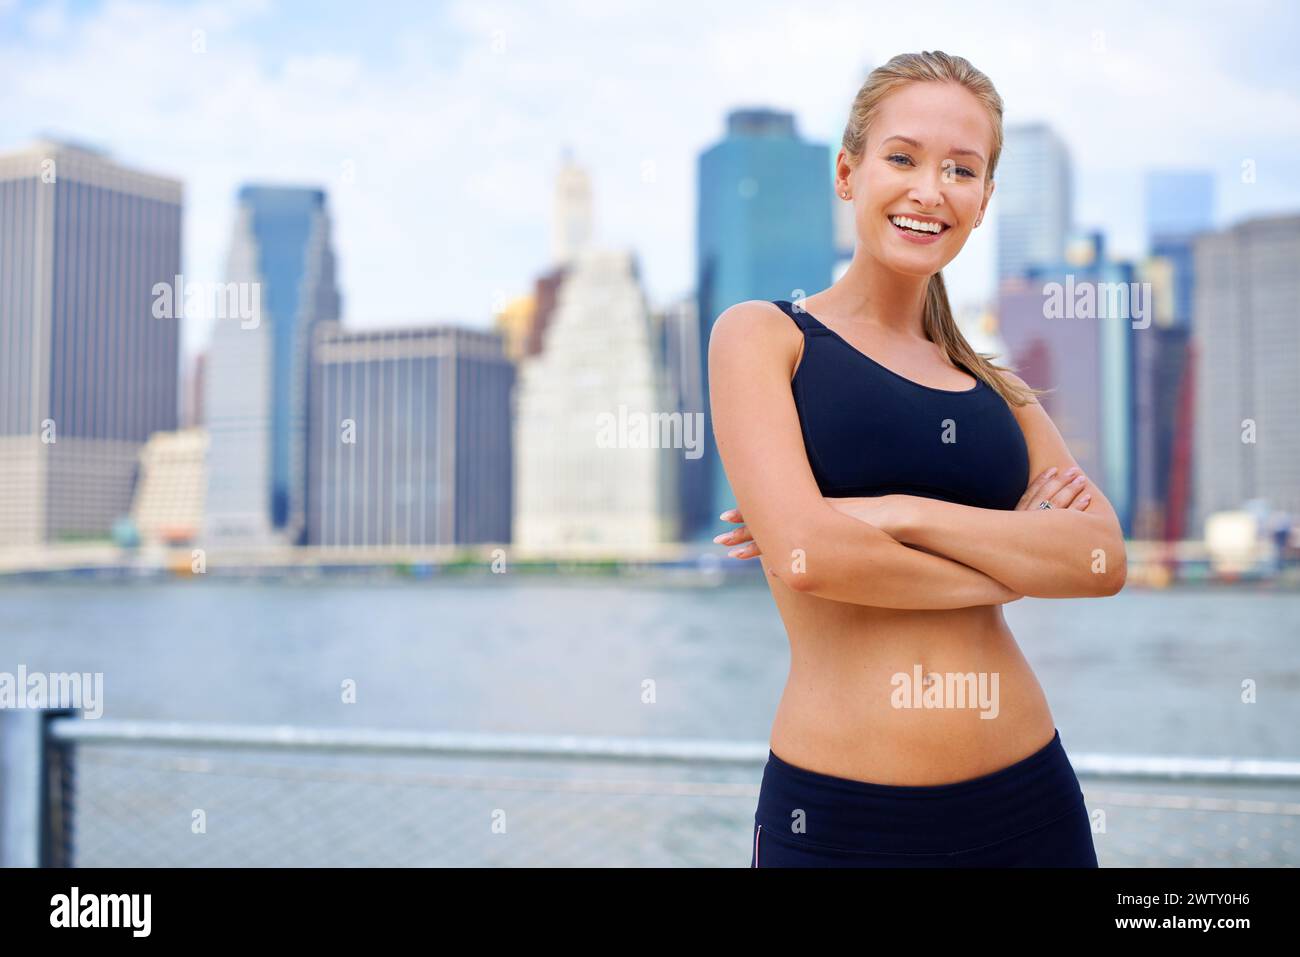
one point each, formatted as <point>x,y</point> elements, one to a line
<point>870,431</point>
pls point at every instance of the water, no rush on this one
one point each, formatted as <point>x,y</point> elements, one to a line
<point>1157,672</point>
<point>1142,672</point>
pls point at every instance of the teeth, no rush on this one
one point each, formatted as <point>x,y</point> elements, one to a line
<point>916,224</point>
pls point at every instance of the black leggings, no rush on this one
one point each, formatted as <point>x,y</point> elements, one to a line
<point>1028,814</point>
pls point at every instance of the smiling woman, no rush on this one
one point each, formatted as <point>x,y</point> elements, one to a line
<point>885,469</point>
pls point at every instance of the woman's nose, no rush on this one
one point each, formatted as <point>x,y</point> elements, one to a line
<point>928,189</point>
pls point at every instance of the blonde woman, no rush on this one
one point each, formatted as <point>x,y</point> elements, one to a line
<point>882,471</point>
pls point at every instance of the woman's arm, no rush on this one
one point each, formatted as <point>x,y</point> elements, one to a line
<point>1042,553</point>
<point>808,545</point>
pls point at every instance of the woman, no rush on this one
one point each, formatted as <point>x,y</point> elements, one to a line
<point>884,467</point>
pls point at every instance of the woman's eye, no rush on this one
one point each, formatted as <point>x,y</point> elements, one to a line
<point>907,159</point>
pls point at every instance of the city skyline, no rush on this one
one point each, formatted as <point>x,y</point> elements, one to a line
<point>344,104</point>
<point>487,434</point>
<point>274,236</point>
<point>765,226</point>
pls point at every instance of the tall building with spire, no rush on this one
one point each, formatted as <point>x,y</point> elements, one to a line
<point>525,320</point>
<point>572,215</point>
<point>281,258</point>
<point>590,466</point>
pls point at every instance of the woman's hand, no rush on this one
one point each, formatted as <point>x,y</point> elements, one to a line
<point>885,512</point>
<point>1061,490</point>
<point>745,546</point>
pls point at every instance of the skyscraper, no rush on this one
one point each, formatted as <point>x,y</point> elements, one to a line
<point>592,466</point>
<point>572,217</point>
<point>89,368</point>
<point>571,234</point>
<point>1034,199</point>
<point>1247,439</point>
<point>410,437</point>
<point>1085,355</point>
<point>763,231</point>
<point>678,345</point>
<point>281,258</point>
<point>1179,204</point>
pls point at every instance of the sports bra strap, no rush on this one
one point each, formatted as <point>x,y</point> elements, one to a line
<point>800,317</point>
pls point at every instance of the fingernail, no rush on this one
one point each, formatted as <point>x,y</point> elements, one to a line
<point>723,516</point>
<point>1073,471</point>
<point>735,552</point>
<point>1077,480</point>
<point>1086,499</point>
<point>717,539</point>
<point>1050,472</point>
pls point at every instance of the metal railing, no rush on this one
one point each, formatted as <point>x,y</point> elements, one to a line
<point>133,793</point>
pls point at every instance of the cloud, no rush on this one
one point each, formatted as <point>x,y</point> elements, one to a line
<point>437,129</point>
<point>48,22</point>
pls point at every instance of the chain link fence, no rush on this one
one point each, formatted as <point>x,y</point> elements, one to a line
<point>146,795</point>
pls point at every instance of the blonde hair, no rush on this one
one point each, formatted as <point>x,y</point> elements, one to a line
<point>938,67</point>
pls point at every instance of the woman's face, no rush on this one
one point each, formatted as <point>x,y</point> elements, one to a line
<point>932,178</point>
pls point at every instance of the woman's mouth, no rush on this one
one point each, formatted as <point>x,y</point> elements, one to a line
<point>917,231</point>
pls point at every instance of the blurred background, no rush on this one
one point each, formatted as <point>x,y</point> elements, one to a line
<point>357,486</point>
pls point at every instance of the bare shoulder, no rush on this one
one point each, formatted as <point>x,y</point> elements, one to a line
<point>756,322</point>
<point>1012,379</point>
<point>1030,409</point>
<point>1046,445</point>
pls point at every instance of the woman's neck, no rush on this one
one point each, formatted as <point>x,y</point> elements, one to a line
<point>870,294</point>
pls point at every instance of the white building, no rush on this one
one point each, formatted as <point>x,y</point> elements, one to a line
<point>280,284</point>
<point>168,505</point>
<point>592,418</point>
<point>238,402</point>
<point>571,220</point>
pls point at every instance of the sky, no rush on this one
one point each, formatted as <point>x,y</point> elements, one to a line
<point>437,128</point>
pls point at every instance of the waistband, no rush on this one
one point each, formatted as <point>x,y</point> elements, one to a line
<point>940,818</point>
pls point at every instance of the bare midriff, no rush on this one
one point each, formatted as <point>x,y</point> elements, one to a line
<point>841,711</point>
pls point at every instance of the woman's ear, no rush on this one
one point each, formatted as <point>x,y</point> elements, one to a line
<point>988,194</point>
